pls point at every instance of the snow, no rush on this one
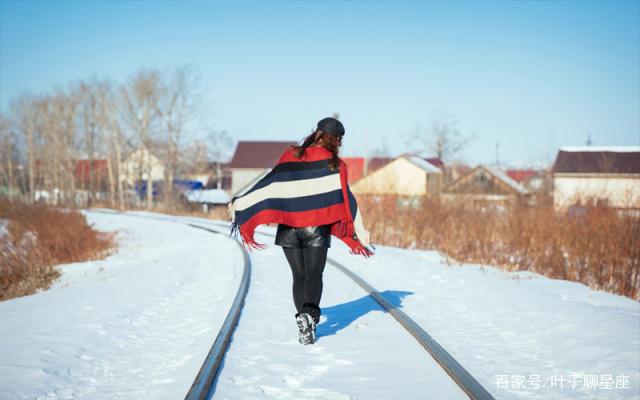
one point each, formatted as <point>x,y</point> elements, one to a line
<point>615,149</point>
<point>141,326</point>
<point>136,325</point>
<point>211,196</point>
<point>424,164</point>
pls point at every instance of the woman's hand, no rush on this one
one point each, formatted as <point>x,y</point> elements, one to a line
<point>230,209</point>
<point>366,238</point>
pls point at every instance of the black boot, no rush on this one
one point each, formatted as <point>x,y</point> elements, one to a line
<point>307,320</point>
<point>313,310</point>
<point>306,328</point>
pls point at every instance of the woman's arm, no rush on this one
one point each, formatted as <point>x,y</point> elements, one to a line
<point>363,235</point>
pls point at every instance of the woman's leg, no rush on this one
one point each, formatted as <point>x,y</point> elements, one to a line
<point>315,259</point>
<point>307,266</point>
<point>296,262</point>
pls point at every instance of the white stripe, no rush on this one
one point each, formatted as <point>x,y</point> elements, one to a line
<point>289,189</point>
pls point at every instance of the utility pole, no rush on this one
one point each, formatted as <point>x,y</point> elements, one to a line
<point>497,154</point>
<point>589,141</point>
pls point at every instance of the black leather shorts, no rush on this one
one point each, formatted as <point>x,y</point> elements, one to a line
<point>308,236</point>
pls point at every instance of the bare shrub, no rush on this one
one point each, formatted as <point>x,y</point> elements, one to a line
<point>600,248</point>
<point>40,237</point>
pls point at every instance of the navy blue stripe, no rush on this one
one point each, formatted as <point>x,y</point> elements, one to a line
<point>286,176</point>
<point>353,205</point>
<point>300,166</point>
<point>304,203</point>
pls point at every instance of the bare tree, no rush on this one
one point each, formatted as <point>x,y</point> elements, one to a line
<point>67,103</point>
<point>141,97</point>
<point>109,120</point>
<point>177,107</point>
<point>8,155</point>
<point>92,122</point>
<point>220,144</point>
<point>441,138</point>
<point>195,158</point>
<point>53,130</point>
<point>24,115</point>
<point>48,125</point>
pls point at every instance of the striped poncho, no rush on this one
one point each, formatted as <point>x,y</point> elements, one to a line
<point>301,192</point>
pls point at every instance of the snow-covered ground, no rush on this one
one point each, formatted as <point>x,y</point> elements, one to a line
<point>137,325</point>
<point>140,323</point>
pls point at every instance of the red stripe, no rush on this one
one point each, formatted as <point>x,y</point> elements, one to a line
<point>310,154</point>
<point>321,216</point>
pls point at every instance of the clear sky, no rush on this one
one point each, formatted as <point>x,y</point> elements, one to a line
<point>532,76</point>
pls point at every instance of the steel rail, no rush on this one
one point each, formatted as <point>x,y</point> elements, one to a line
<point>460,376</point>
<point>203,386</point>
<point>453,368</point>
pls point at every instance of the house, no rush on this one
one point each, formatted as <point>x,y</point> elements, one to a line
<point>375,163</point>
<point>135,167</point>
<point>355,167</point>
<point>359,166</point>
<point>253,158</point>
<point>407,175</point>
<point>92,174</point>
<point>482,185</point>
<point>535,181</point>
<point>597,175</point>
<point>220,177</point>
<point>454,171</point>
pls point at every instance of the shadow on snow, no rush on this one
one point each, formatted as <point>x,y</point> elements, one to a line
<point>342,315</point>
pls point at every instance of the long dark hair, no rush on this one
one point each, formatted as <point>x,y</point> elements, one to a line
<point>329,142</point>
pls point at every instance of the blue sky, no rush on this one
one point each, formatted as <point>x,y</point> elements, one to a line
<point>532,76</point>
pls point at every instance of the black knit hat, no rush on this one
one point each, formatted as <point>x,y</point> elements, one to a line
<point>332,126</point>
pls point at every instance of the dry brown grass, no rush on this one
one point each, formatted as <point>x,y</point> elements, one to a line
<point>40,237</point>
<point>600,248</point>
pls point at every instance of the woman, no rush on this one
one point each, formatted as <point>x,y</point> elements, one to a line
<point>307,194</point>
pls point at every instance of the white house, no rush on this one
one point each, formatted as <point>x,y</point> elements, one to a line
<point>597,175</point>
<point>405,176</point>
<point>135,167</point>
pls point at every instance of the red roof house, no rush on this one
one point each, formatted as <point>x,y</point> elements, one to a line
<point>355,167</point>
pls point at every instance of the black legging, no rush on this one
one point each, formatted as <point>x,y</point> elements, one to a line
<point>307,265</point>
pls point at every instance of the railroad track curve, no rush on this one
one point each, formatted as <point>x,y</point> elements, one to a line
<point>204,384</point>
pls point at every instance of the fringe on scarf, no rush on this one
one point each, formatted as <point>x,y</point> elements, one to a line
<point>345,228</point>
<point>362,250</point>
<point>246,238</point>
<point>235,228</point>
<point>346,231</point>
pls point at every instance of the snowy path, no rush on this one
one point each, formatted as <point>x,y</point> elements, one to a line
<point>136,325</point>
<point>523,336</point>
<point>361,352</point>
<point>139,325</point>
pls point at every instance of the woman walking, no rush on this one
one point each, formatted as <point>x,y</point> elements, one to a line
<point>308,196</point>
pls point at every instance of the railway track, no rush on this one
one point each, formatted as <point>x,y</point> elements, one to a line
<point>204,383</point>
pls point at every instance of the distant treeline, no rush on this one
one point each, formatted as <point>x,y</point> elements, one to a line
<point>75,138</point>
